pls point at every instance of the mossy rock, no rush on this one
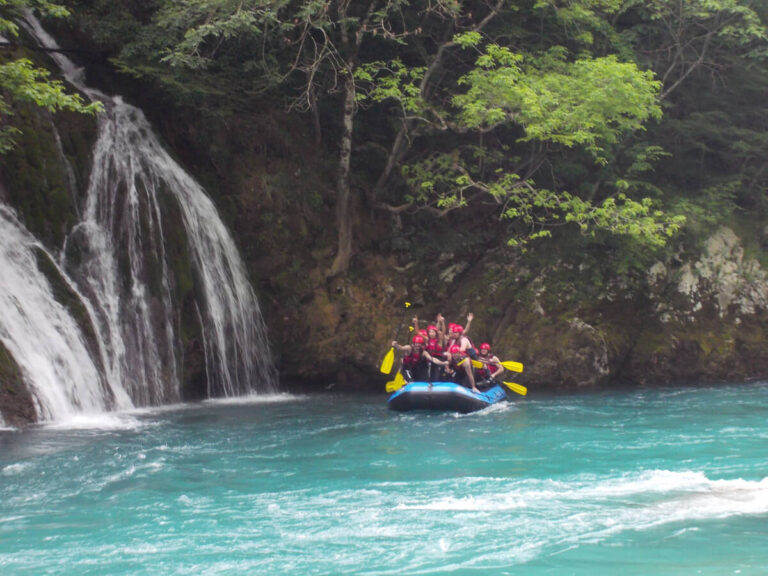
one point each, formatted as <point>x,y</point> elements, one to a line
<point>43,182</point>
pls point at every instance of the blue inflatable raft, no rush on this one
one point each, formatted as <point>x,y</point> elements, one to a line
<point>445,396</point>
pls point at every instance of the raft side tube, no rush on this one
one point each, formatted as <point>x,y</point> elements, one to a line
<point>443,396</point>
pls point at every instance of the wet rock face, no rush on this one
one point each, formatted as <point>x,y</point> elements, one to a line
<point>16,403</point>
<point>708,318</point>
<point>695,319</point>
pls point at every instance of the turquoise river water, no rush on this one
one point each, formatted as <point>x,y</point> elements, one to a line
<point>662,482</point>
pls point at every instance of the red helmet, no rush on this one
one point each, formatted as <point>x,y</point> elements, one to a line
<point>485,346</point>
<point>418,339</point>
<point>424,333</point>
<point>450,327</point>
<point>457,328</point>
<point>431,327</point>
<point>455,350</point>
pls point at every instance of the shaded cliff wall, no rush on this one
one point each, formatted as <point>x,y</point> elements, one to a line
<point>581,314</point>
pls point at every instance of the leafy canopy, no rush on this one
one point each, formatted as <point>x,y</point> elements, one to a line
<point>590,102</point>
<point>548,111</point>
<point>21,81</point>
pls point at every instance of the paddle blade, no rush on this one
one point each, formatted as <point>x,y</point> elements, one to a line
<point>509,365</point>
<point>522,390</point>
<point>386,364</point>
<point>514,366</point>
<point>397,383</point>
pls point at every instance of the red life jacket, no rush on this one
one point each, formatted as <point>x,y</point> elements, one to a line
<point>412,360</point>
<point>483,372</point>
<point>434,347</point>
<point>487,369</point>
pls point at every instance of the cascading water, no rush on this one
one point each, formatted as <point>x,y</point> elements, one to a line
<point>41,334</point>
<point>131,173</point>
<point>116,257</point>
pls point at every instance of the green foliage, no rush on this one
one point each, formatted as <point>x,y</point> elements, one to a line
<point>21,81</point>
<point>639,220</point>
<point>12,9</point>
<point>391,81</point>
<point>200,24</point>
<point>733,21</point>
<point>590,102</point>
<point>27,83</point>
<point>586,20</point>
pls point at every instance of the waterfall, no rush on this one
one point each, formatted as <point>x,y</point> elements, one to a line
<point>131,172</point>
<point>41,334</point>
<point>116,259</point>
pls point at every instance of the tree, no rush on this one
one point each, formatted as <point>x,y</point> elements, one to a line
<point>587,103</point>
<point>710,57</point>
<point>484,98</point>
<point>680,38</point>
<point>22,81</point>
<point>317,48</point>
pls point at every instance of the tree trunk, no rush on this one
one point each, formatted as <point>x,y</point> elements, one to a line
<point>343,187</point>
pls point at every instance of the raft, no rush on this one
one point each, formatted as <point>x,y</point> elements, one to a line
<point>444,396</point>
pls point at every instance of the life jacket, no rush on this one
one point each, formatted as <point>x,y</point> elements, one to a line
<point>485,371</point>
<point>412,360</point>
<point>434,347</point>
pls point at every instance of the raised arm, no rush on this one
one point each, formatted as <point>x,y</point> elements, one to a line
<point>406,348</point>
<point>440,323</point>
<point>470,317</point>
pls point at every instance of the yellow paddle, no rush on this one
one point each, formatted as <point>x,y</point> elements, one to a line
<point>509,365</point>
<point>389,359</point>
<point>518,367</point>
<point>397,383</point>
<point>514,366</point>
<point>522,390</point>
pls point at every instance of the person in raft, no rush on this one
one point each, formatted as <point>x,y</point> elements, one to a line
<point>491,368</point>
<point>455,332</point>
<point>434,341</point>
<point>416,364</point>
<point>433,335</point>
<point>460,370</point>
<point>460,339</point>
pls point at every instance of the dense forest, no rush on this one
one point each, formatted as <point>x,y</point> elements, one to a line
<point>563,169</point>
